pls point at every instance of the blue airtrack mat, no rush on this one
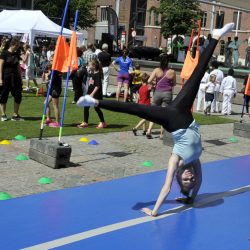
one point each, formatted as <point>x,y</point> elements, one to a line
<point>36,219</point>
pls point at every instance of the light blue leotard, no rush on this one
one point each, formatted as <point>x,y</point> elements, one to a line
<point>187,143</point>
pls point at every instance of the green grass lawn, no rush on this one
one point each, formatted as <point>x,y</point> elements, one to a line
<point>32,108</point>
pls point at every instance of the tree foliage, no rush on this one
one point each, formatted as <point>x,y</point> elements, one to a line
<point>178,16</point>
<point>54,10</point>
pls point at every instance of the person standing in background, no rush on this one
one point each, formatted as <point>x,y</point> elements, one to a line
<point>165,82</point>
<point>235,47</point>
<point>247,60</point>
<point>123,78</point>
<point>209,95</point>
<point>89,54</point>
<point>215,108</point>
<point>228,89</point>
<point>202,91</point>
<point>246,97</point>
<point>29,61</point>
<point>10,79</point>
<point>228,52</point>
<point>105,59</point>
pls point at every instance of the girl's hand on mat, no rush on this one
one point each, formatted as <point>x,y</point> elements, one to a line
<point>148,211</point>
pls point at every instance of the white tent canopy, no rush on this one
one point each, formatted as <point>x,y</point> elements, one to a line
<point>32,22</point>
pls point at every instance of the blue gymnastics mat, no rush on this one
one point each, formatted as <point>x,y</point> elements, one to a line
<point>107,215</point>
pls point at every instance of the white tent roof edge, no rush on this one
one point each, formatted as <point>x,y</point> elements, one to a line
<point>32,22</point>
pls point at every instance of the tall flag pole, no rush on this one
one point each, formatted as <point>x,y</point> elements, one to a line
<point>61,43</point>
<point>72,64</point>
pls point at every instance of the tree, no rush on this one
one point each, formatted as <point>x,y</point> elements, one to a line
<point>54,10</point>
<point>178,16</point>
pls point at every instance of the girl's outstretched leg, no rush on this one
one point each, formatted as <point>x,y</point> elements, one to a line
<point>155,114</point>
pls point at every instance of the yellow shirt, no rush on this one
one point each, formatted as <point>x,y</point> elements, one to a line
<point>137,75</point>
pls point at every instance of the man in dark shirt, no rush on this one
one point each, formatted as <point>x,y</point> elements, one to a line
<point>105,59</point>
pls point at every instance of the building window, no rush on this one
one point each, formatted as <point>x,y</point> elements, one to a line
<point>141,19</point>
<point>222,47</point>
<point>203,19</point>
<point>9,3</point>
<point>26,4</point>
<point>235,17</point>
<point>156,16</point>
<point>104,14</point>
<point>219,19</point>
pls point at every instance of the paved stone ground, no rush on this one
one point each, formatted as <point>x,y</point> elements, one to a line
<point>117,155</point>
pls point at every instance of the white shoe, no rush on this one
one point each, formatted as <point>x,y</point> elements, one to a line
<point>217,33</point>
<point>87,101</point>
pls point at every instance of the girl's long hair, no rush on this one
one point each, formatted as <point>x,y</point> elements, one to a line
<point>164,60</point>
<point>185,191</point>
<point>97,66</point>
<point>124,54</point>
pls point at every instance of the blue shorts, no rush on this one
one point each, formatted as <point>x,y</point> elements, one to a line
<point>187,143</point>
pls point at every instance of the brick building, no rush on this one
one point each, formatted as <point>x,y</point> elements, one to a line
<point>140,16</point>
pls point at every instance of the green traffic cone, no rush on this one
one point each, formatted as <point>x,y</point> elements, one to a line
<point>233,139</point>
<point>45,180</point>
<point>22,157</point>
<point>147,164</point>
<point>20,138</point>
<point>4,196</point>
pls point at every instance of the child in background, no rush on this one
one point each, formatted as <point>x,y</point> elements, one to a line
<point>55,92</point>
<point>228,89</point>
<point>136,82</point>
<point>144,99</point>
<point>95,91</point>
<point>201,93</point>
<point>209,96</point>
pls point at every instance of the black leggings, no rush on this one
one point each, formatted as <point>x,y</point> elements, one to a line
<point>97,110</point>
<point>178,114</point>
<point>247,102</point>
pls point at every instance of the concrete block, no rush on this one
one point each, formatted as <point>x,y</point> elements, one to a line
<point>241,133</point>
<point>242,126</point>
<point>50,153</point>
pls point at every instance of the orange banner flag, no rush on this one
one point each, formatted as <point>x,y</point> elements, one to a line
<point>72,59</point>
<point>189,64</point>
<point>61,55</point>
<point>247,89</point>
